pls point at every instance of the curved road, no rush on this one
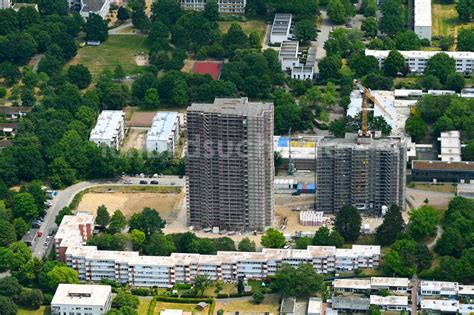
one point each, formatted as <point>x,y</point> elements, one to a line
<point>65,197</point>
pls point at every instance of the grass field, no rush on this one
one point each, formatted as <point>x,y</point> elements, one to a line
<point>447,188</point>
<point>43,310</point>
<point>247,27</point>
<point>143,305</point>
<point>445,19</point>
<point>160,306</point>
<point>271,304</point>
<point>118,49</point>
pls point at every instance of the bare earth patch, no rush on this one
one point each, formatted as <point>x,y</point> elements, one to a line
<point>129,203</point>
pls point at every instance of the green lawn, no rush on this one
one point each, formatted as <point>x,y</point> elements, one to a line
<point>247,26</point>
<point>445,19</point>
<point>43,310</point>
<point>143,305</point>
<point>160,306</point>
<point>118,49</point>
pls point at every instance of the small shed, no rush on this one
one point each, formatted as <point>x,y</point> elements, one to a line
<point>202,305</point>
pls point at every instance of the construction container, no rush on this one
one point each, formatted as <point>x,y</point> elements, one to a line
<point>306,188</point>
<point>299,188</point>
<point>284,184</point>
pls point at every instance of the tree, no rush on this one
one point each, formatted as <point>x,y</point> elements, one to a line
<point>423,222</point>
<point>123,299</point>
<point>464,8</point>
<point>430,82</point>
<point>138,238</point>
<point>407,40</point>
<point>468,152</point>
<point>255,41</point>
<point>8,307</point>
<point>374,310</point>
<point>447,41</point>
<point>392,20</point>
<point>96,28</point>
<point>159,245</point>
<point>329,67</point>
<point>79,75</point>
<point>258,297</point>
<point>10,286</point>
<point>203,246</point>
<point>337,12</point>
<point>61,274</point>
<point>450,244</point>
<point>305,30</point>
<point>235,38</point>
<point>224,244</point>
<point>370,27</point>
<point>119,73</point>
<point>392,226</point>
<point>211,10</point>
<point>48,7</point>
<point>377,81</point>
<point>103,216</point>
<point>416,128</point>
<point>441,66</point>
<point>405,258</point>
<point>59,217</point>
<point>117,222</point>
<point>201,282</point>
<point>303,280</point>
<point>348,223</point>
<point>246,245</point>
<point>24,206</point>
<point>31,298</point>
<point>363,65</point>
<point>152,100</point>
<point>455,82</point>
<point>394,63</point>
<point>148,221</point>
<point>273,239</point>
<point>123,14</point>
<point>28,97</point>
<point>7,233</point>
<point>10,73</point>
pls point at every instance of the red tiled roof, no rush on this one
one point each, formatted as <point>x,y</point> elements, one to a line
<point>208,67</point>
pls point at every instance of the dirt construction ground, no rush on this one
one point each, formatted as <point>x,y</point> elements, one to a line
<point>167,204</point>
<point>135,139</point>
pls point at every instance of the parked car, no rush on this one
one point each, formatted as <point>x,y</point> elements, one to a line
<point>172,183</point>
<point>39,234</point>
<point>296,193</point>
<point>154,182</point>
<point>143,182</point>
<point>127,181</point>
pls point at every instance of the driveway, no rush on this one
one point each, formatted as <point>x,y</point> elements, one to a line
<point>323,35</point>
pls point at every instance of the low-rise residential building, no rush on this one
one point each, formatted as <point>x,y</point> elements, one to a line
<point>73,231</point>
<point>288,55</point>
<point>391,284</point>
<point>450,145</point>
<point>315,306</point>
<point>225,6</point>
<point>439,171</point>
<point>281,27</point>
<point>352,285</point>
<point>351,305</point>
<point>14,112</point>
<point>422,18</point>
<point>163,134</point>
<point>110,129</point>
<point>5,4</point>
<point>81,299</point>
<point>466,291</point>
<point>438,288</point>
<point>302,73</point>
<point>99,7</point>
<point>358,285</point>
<point>390,303</point>
<point>416,59</point>
<point>430,306</point>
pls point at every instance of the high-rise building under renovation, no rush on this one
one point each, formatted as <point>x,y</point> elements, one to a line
<point>229,165</point>
<point>363,172</point>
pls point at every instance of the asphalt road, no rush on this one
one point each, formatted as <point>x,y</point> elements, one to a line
<point>323,35</point>
<point>65,197</point>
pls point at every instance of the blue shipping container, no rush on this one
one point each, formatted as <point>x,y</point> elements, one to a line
<point>299,188</point>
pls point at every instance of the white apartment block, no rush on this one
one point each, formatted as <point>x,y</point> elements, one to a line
<point>281,26</point>
<point>416,59</point>
<point>302,73</point>
<point>450,144</point>
<point>73,231</point>
<point>390,303</point>
<point>5,4</point>
<point>163,134</point>
<point>110,129</point>
<point>81,299</point>
<point>422,18</point>
<point>357,285</point>
<point>165,271</point>
<point>225,6</point>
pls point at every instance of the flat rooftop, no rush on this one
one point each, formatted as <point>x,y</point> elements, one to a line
<point>422,15</point>
<point>232,106</point>
<point>390,281</point>
<point>163,126</point>
<point>389,300</point>
<point>81,294</point>
<point>438,286</point>
<point>359,284</point>
<point>420,54</point>
<point>440,305</point>
<point>107,125</point>
<point>443,166</point>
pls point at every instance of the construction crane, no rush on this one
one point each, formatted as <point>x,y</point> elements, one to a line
<point>366,96</point>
